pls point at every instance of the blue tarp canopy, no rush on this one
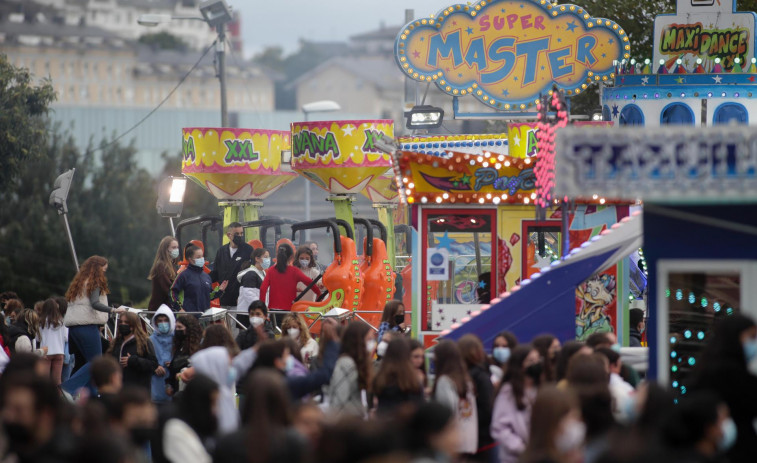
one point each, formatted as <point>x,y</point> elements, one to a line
<point>547,302</point>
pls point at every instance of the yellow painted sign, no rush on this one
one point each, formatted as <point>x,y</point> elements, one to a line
<point>340,156</point>
<point>236,163</point>
<point>507,52</point>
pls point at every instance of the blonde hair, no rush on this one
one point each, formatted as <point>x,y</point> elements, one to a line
<point>297,320</point>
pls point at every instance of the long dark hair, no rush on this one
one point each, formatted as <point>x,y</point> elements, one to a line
<point>569,349</point>
<point>195,406</point>
<point>724,346</point>
<point>259,252</point>
<point>192,338</point>
<point>396,369</point>
<point>353,345</point>
<point>283,254</point>
<point>219,335</point>
<point>550,407</point>
<point>140,336</point>
<point>516,375</point>
<point>50,315</point>
<point>542,344</point>
<point>449,363</point>
<point>267,412</point>
<point>163,262</point>
<point>304,250</point>
<point>390,310</point>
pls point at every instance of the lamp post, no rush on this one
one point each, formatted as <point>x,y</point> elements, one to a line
<point>322,106</point>
<point>216,13</point>
<point>58,199</point>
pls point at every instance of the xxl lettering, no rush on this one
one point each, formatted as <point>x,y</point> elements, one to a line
<point>371,137</point>
<point>240,151</point>
<point>497,54</point>
<point>188,149</point>
<point>584,52</point>
<point>443,47</point>
<point>531,50</point>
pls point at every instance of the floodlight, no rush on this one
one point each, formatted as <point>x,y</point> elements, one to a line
<point>215,12</point>
<point>60,191</point>
<point>152,20</point>
<point>424,117</point>
<point>171,196</point>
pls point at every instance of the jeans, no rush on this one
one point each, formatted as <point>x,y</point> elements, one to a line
<point>86,338</point>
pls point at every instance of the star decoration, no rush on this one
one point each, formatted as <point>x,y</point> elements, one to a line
<point>717,79</point>
<point>604,55</point>
<point>447,69</point>
<point>751,79</point>
<point>445,242</point>
<point>465,179</point>
<point>454,23</point>
<point>542,262</point>
<point>454,320</point>
<point>515,78</point>
<point>559,40</point>
<point>423,38</point>
<point>438,324</point>
<point>468,312</point>
<point>571,27</point>
<point>615,111</point>
<point>645,80</point>
<point>543,68</point>
<point>611,41</point>
<point>460,74</point>
<point>347,129</point>
<point>416,54</point>
<point>503,10</point>
<point>469,30</point>
<point>680,80</point>
<point>482,284</point>
<point>505,92</point>
<point>516,140</point>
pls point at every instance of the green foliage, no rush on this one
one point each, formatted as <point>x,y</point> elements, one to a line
<point>23,107</point>
<point>163,41</point>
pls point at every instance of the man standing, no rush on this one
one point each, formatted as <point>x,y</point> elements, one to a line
<point>228,260</point>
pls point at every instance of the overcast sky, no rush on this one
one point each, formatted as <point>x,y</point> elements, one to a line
<point>284,22</point>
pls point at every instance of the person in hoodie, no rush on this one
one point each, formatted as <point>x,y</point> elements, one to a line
<point>258,317</point>
<point>163,325</point>
<point>195,284</point>
<point>133,350</point>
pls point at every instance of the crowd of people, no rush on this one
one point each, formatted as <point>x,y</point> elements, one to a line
<point>173,390</point>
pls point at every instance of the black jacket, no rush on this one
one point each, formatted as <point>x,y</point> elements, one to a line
<point>634,338</point>
<point>139,370</point>
<point>484,402</point>
<point>249,337</point>
<point>16,330</point>
<point>226,267</point>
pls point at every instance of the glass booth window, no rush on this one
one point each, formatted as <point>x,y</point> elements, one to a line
<point>677,114</point>
<point>631,115</point>
<point>730,113</point>
<point>695,301</point>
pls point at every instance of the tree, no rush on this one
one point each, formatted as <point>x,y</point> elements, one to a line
<point>23,107</point>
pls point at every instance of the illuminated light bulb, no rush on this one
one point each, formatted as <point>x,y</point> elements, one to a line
<point>527,161</point>
<point>424,200</point>
<point>480,159</point>
<point>595,196</point>
<point>445,196</point>
<point>501,158</point>
<point>485,164</point>
<point>526,200</point>
<point>438,199</point>
<point>404,180</point>
<point>533,195</point>
<point>497,166</point>
<point>481,200</point>
<point>411,185</point>
<point>496,200</point>
<point>504,196</point>
<point>408,192</point>
<point>602,201</point>
<point>488,196</point>
<point>507,163</point>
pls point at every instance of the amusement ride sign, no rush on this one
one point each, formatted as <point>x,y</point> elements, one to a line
<point>507,52</point>
<point>706,30</point>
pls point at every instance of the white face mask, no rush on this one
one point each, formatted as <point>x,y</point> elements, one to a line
<point>571,436</point>
<point>293,333</point>
<point>370,345</point>
<point>174,253</point>
<point>381,349</point>
<point>257,321</point>
<point>304,263</point>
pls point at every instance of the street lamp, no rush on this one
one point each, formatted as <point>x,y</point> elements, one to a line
<point>216,13</point>
<point>424,117</point>
<point>171,198</point>
<point>322,106</point>
<point>58,199</point>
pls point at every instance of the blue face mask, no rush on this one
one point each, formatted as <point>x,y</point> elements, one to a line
<point>729,435</point>
<point>615,347</point>
<point>289,364</point>
<point>199,262</point>
<point>164,327</point>
<point>750,349</point>
<point>501,354</point>
<point>266,262</point>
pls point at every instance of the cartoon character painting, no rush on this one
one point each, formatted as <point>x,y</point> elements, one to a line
<point>595,299</point>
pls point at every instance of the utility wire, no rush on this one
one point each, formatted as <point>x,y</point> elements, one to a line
<point>147,116</point>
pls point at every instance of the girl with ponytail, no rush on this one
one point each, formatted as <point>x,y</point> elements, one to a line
<point>282,280</point>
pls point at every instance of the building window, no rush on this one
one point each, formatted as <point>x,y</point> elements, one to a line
<point>677,114</point>
<point>631,115</point>
<point>606,114</point>
<point>730,113</point>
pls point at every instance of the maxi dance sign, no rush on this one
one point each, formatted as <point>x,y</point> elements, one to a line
<point>507,52</point>
<point>680,164</point>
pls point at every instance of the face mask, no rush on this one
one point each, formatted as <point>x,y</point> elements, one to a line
<point>140,436</point>
<point>293,333</point>
<point>179,335</point>
<point>289,364</point>
<point>8,320</point>
<point>534,371</point>
<point>629,409</point>
<point>399,319</point>
<point>199,262</point>
<point>231,377</point>
<point>238,240</point>
<point>164,327</point>
<point>501,354</point>
<point>728,428</point>
<point>304,263</point>
<point>174,253</point>
<point>571,437</point>
<point>370,345</point>
<point>266,262</point>
<point>257,321</point>
<point>381,349</point>
<point>750,350</point>
<point>615,347</point>
<point>18,434</point>
<point>124,329</point>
